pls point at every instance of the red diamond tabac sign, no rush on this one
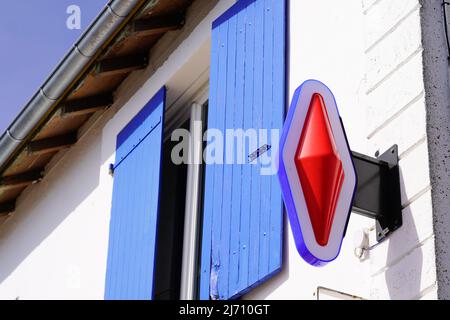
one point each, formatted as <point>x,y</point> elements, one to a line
<point>317,176</point>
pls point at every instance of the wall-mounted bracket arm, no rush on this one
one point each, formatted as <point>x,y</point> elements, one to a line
<point>378,191</point>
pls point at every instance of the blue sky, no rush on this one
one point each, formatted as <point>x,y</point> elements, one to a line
<point>35,38</point>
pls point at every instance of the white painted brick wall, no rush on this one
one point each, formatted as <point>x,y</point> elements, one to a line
<point>385,16</point>
<point>395,94</point>
<point>414,175</point>
<point>402,44</point>
<point>430,294</point>
<point>413,117</point>
<point>403,267</point>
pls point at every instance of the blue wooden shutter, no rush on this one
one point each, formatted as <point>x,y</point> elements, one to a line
<point>134,216</point>
<point>243,215</point>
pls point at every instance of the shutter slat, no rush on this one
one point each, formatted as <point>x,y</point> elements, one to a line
<point>205,275</point>
<point>242,221</point>
<point>279,98</point>
<point>237,191</point>
<point>216,263</point>
<point>229,98</point>
<point>135,205</point>
<point>249,52</point>
<point>268,82</point>
<point>257,104</point>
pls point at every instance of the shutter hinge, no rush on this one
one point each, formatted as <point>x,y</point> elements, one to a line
<point>111,169</point>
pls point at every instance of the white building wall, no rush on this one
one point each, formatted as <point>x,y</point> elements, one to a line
<point>367,51</point>
<point>370,54</point>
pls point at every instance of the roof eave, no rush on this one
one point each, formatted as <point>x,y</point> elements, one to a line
<point>77,61</point>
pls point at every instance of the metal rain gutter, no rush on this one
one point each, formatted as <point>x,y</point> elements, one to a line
<point>76,61</point>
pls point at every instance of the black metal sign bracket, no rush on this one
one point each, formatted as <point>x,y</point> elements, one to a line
<point>378,191</point>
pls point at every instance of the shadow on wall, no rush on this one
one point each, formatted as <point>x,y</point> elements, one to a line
<point>404,258</point>
<point>67,186</point>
